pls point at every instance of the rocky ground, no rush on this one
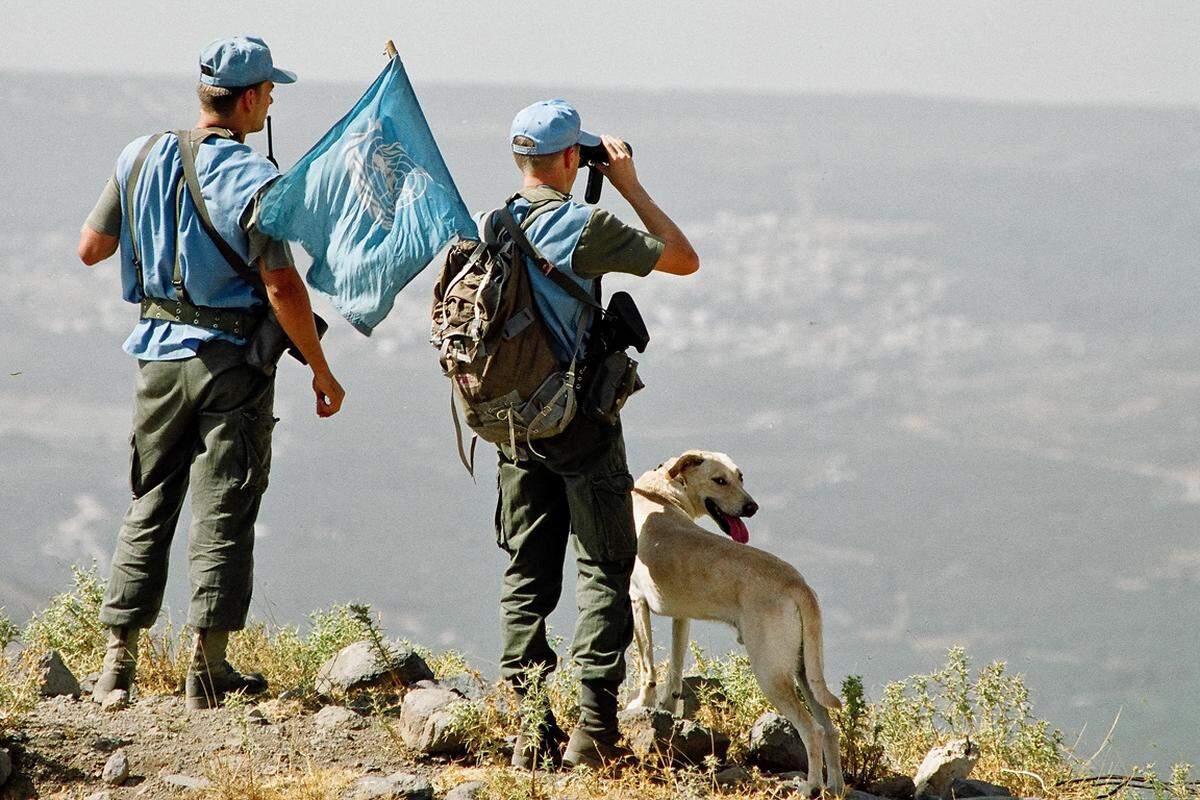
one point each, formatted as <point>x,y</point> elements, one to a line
<point>383,727</point>
<point>64,746</point>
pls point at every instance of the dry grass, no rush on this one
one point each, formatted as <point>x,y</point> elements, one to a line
<point>993,707</point>
<point>238,778</point>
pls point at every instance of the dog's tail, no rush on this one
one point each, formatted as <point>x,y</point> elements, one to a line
<point>812,648</point>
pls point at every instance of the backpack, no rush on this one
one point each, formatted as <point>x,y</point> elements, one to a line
<point>493,344</point>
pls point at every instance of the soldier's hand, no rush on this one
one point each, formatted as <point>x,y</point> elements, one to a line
<point>619,170</point>
<point>330,394</point>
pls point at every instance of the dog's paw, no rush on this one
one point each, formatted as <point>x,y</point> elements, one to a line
<point>643,700</point>
<point>807,788</point>
<point>668,705</point>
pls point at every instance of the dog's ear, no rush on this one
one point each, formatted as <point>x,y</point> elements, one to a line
<point>692,458</point>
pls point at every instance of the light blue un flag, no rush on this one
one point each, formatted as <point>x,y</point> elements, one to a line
<point>372,202</point>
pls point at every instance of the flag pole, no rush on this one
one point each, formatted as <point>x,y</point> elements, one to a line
<point>389,49</point>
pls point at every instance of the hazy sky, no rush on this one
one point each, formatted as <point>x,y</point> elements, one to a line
<point>1094,51</point>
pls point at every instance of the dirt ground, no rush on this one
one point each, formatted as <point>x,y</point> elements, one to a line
<point>62,748</point>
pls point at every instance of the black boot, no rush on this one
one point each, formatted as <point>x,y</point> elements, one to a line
<point>546,751</point>
<point>595,742</point>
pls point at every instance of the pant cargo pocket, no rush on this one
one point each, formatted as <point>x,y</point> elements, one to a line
<point>602,517</point>
<point>255,429</point>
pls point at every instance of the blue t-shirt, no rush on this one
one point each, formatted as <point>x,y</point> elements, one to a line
<point>583,242</point>
<point>231,175</point>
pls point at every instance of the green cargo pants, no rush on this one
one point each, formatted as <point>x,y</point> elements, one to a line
<point>579,489</point>
<point>204,421</point>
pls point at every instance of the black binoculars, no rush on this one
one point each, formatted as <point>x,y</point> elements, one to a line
<point>593,155</point>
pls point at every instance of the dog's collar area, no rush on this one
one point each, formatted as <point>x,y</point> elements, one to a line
<point>656,497</point>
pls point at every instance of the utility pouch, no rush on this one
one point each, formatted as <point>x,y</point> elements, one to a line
<point>613,381</point>
<point>270,342</point>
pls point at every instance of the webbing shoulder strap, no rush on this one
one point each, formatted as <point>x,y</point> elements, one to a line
<point>192,180</point>
<point>517,234</point>
<point>130,187</point>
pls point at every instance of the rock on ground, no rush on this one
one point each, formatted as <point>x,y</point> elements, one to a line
<point>898,787</point>
<point>693,687</point>
<point>338,718</point>
<point>104,794</point>
<point>116,700</point>
<point>397,785</point>
<point>692,743</point>
<point>426,719</point>
<point>855,794</point>
<point>653,733</point>
<point>54,678</point>
<point>733,776</point>
<point>944,765</point>
<point>186,781</point>
<point>647,731</point>
<point>5,766</point>
<point>361,665</point>
<point>116,769</point>
<point>775,746</point>
<point>963,788</point>
<point>470,686</point>
<point>471,790</point>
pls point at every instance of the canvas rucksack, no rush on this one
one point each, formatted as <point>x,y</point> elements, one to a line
<point>493,344</point>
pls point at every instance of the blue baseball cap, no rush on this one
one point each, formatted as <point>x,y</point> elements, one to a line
<point>240,61</point>
<point>553,125</point>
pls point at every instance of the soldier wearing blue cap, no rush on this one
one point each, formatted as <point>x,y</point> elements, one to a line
<point>203,415</point>
<point>576,486</point>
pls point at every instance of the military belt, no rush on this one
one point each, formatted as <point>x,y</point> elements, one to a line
<point>237,322</point>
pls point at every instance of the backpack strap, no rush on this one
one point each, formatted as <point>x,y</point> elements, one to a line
<point>192,181</point>
<point>517,234</point>
<point>130,187</point>
<point>458,436</point>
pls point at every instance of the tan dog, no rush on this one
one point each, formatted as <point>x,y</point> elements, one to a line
<point>686,572</point>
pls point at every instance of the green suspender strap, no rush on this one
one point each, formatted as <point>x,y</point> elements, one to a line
<point>130,187</point>
<point>234,321</point>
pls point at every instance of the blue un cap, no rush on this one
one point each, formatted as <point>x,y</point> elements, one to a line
<point>240,61</point>
<point>553,125</point>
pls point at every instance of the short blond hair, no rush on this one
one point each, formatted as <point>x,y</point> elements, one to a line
<point>222,100</point>
<point>529,164</point>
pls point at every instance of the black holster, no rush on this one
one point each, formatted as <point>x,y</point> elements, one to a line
<point>270,342</point>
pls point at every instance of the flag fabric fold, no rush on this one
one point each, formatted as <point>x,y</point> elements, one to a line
<point>372,202</point>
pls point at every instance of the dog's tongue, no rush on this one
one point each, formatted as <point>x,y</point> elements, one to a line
<point>737,529</point>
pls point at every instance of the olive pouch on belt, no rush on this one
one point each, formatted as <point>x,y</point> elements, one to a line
<point>612,382</point>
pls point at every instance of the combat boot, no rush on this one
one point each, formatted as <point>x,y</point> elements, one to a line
<point>594,741</point>
<point>210,678</point>
<point>120,663</point>
<point>595,750</point>
<point>546,751</point>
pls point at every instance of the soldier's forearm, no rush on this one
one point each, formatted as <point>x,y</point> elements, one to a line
<point>289,299</point>
<point>678,258</point>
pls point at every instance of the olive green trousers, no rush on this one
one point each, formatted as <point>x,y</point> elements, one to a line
<point>203,422</point>
<point>578,489</point>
